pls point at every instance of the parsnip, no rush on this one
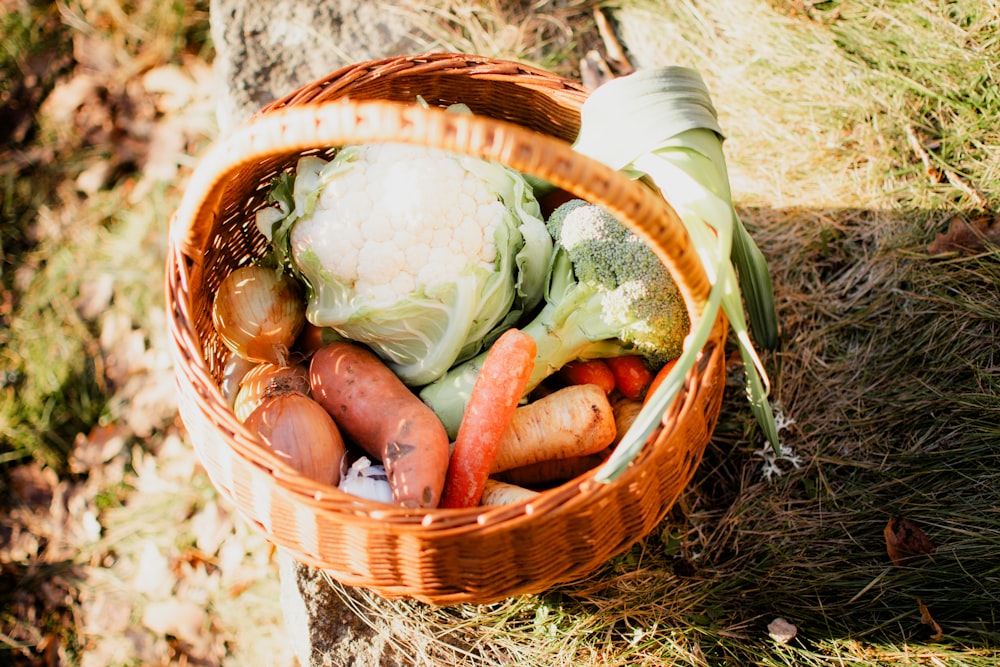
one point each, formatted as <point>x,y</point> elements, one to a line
<point>573,421</point>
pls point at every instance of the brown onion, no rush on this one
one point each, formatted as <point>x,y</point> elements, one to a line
<point>302,433</point>
<point>232,375</point>
<point>266,380</point>
<point>259,314</point>
<point>313,338</point>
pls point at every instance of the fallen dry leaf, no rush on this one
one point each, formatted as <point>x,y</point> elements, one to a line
<point>928,620</point>
<point>153,575</point>
<point>967,235</point>
<point>32,484</point>
<point>182,619</point>
<point>904,541</point>
<point>93,450</point>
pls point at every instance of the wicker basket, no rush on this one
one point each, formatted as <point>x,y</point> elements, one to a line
<point>524,118</point>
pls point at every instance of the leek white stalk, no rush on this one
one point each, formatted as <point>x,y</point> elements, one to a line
<point>660,124</point>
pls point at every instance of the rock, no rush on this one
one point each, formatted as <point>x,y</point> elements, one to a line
<point>267,49</point>
<point>323,630</point>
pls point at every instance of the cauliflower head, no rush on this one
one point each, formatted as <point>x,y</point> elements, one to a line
<point>422,254</point>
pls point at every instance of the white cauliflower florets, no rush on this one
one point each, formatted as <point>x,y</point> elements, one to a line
<point>403,216</point>
<point>417,252</point>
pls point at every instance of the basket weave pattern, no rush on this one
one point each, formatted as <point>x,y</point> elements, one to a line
<point>524,118</point>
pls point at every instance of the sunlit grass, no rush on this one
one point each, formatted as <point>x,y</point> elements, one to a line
<point>888,368</point>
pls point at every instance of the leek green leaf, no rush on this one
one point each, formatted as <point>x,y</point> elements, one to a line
<point>660,124</point>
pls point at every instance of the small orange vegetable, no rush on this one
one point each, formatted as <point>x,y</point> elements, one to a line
<point>632,375</point>
<point>498,389</point>
<point>593,371</point>
<point>658,379</point>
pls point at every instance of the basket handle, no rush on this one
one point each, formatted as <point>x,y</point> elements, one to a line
<point>296,128</point>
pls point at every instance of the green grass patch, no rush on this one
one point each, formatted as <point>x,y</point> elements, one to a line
<point>856,133</point>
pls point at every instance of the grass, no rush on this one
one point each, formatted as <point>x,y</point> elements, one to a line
<point>52,388</point>
<point>887,375</point>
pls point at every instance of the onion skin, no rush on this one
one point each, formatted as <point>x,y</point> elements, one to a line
<point>232,375</point>
<point>302,433</point>
<point>266,380</point>
<point>259,314</point>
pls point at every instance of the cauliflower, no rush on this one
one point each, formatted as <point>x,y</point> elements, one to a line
<point>381,226</point>
<point>419,253</point>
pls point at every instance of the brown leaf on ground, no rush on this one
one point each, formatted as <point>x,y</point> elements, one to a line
<point>95,449</point>
<point>967,235</point>
<point>928,620</point>
<point>32,484</point>
<point>904,541</point>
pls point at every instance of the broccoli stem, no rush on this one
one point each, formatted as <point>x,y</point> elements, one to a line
<point>570,329</point>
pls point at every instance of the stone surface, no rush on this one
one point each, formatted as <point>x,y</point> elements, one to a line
<point>267,49</point>
<point>323,630</point>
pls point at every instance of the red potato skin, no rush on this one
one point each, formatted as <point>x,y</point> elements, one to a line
<point>373,407</point>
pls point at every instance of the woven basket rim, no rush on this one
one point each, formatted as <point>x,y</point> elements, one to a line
<point>369,119</point>
<point>295,124</point>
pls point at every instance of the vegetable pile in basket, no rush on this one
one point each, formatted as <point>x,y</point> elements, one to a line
<point>435,330</point>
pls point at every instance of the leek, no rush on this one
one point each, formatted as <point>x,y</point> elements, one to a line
<point>660,124</point>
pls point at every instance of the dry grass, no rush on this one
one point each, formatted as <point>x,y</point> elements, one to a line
<point>887,369</point>
<point>887,376</point>
<point>554,34</point>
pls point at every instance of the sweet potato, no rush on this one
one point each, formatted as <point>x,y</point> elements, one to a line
<point>373,408</point>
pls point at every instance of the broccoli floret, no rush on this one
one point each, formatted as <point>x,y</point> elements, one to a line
<point>608,294</point>
<point>619,291</point>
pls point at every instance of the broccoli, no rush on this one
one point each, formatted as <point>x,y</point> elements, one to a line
<point>608,294</point>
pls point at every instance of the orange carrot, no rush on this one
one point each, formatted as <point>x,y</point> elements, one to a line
<point>501,383</point>
<point>658,379</point>
<point>593,371</point>
<point>632,375</point>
